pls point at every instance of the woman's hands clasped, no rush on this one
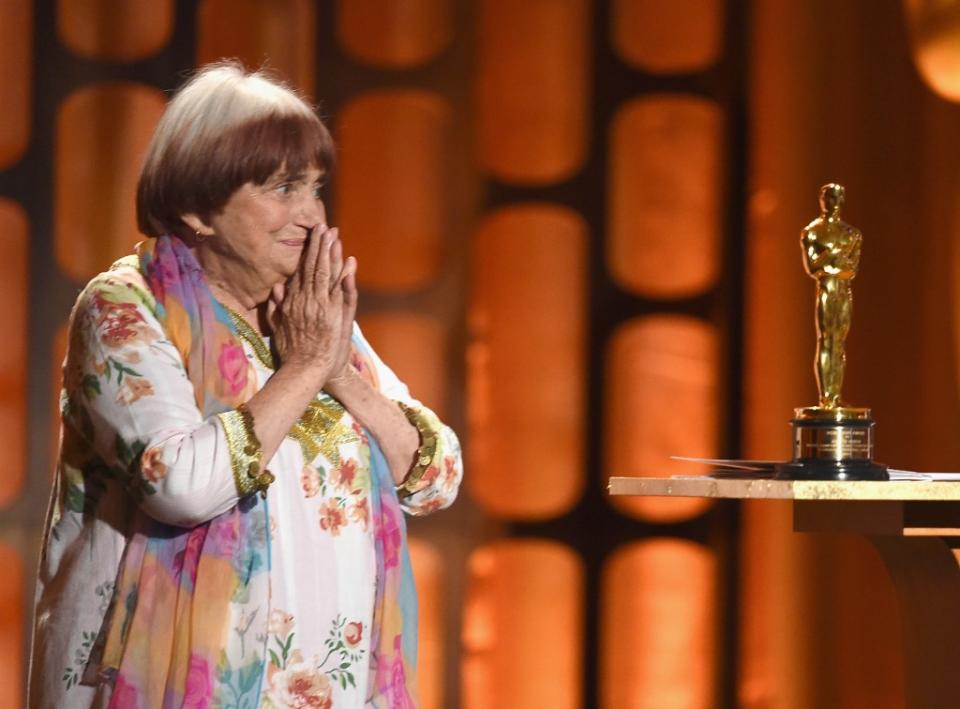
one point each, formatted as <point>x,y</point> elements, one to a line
<point>312,315</point>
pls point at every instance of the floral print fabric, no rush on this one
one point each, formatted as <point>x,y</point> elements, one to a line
<point>137,451</point>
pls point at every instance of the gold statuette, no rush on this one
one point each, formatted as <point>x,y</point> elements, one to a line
<point>832,441</point>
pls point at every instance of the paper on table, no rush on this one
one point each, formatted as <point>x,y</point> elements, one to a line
<point>731,467</point>
<point>731,463</point>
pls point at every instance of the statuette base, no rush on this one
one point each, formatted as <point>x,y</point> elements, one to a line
<point>832,444</point>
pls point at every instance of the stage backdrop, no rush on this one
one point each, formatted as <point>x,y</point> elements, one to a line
<point>577,229</point>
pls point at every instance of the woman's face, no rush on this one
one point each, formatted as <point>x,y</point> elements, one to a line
<point>257,238</point>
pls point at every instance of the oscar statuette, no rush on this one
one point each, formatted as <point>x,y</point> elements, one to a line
<point>831,441</point>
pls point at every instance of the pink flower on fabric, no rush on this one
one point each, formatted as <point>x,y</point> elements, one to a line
<point>133,389</point>
<point>309,481</point>
<point>122,324</point>
<point>125,695</point>
<point>360,512</point>
<point>353,634</point>
<point>152,467</point>
<point>345,474</point>
<point>199,688</point>
<point>191,553</point>
<point>392,678</point>
<point>332,517</point>
<point>232,363</point>
<point>389,534</point>
<point>224,534</point>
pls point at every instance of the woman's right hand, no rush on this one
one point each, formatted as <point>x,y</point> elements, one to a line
<point>312,316</point>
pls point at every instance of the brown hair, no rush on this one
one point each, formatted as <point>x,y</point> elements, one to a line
<point>224,128</point>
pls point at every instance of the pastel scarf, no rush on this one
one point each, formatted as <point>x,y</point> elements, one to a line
<point>177,634</point>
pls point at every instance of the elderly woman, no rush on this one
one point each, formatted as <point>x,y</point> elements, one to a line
<point>226,527</point>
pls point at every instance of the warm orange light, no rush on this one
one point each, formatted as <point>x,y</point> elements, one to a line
<point>525,362</point>
<point>392,186</point>
<point>667,36</point>
<point>14,286</point>
<point>11,627</point>
<point>278,34</point>
<point>665,196</point>
<point>395,34</point>
<point>658,637</point>
<point>935,35</point>
<point>102,134</point>
<point>532,88</point>
<point>522,632</point>
<point>115,31</point>
<point>415,347</point>
<point>16,78</point>
<point>661,396</point>
<point>428,572</point>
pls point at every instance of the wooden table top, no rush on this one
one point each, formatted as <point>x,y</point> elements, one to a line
<point>766,489</point>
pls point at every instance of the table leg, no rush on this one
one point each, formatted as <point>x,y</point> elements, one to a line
<point>926,576</point>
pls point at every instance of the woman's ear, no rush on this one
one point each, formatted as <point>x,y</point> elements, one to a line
<point>197,225</point>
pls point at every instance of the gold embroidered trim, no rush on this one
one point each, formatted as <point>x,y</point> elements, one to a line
<point>425,454</point>
<point>321,428</point>
<point>247,333</point>
<point>245,452</point>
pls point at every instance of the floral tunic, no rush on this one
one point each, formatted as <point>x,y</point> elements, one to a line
<point>134,443</point>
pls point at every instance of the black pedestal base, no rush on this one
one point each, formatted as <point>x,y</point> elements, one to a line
<point>831,470</point>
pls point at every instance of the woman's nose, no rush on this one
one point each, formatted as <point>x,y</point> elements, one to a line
<point>311,212</point>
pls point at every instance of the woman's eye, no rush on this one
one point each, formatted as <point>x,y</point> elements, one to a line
<point>284,188</point>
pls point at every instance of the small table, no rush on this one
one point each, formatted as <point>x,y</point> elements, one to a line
<point>914,525</point>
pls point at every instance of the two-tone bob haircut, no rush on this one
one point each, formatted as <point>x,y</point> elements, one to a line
<point>224,128</point>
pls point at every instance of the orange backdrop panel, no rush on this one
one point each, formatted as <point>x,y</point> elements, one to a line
<point>667,36</point>
<point>395,34</point>
<point>115,31</point>
<point>12,665</point>
<point>415,347</point>
<point>665,196</point>
<point>525,362</point>
<point>658,644</point>
<point>14,267</point>
<point>428,572</point>
<point>522,627</point>
<point>661,399</point>
<point>280,33</point>
<point>391,186</point>
<point>16,75</point>
<point>102,135</point>
<point>532,88</point>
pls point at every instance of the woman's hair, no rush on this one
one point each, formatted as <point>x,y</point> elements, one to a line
<point>224,128</point>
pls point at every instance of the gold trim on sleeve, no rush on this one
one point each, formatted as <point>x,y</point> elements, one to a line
<point>245,452</point>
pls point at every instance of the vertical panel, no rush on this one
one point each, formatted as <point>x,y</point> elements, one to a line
<point>415,347</point>
<point>525,376</point>
<point>665,196</point>
<point>658,645</point>
<point>521,632</point>
<point>392,186</point>
<point>431,596</point>
<point>14,233</point>
<point>12,665</point>
<point>102,134</point>
<point>662,401</point>
<point>275,33</point>
<point>395,34</point>
<point>117,31</point>
<point>532,88</point>
<point>16,73</point>
<point>662,36</point>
